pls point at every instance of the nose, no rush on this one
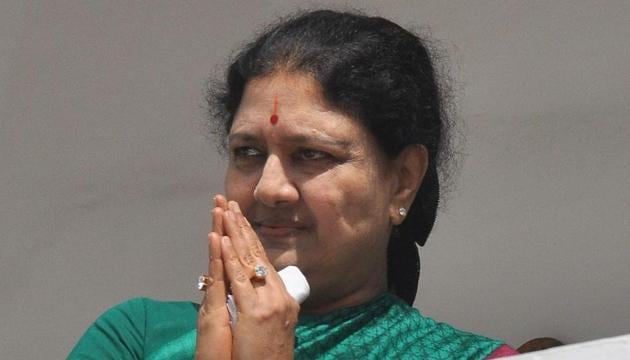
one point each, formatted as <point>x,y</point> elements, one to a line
<point>274,187</point>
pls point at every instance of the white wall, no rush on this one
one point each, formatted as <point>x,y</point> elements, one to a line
<point>104,175</point>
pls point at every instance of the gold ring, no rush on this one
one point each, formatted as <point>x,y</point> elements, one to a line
<point>204,282</point>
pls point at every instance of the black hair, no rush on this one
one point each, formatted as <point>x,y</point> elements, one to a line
<point>373,70</point>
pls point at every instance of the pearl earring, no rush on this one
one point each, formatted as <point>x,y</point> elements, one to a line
<point>402,211</point>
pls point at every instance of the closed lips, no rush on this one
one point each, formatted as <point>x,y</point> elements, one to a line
<point>278,229</point>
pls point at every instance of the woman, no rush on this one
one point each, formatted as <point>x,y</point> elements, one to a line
<point>335,132</point>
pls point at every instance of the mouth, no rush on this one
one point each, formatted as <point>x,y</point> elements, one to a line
<point>273,230</point>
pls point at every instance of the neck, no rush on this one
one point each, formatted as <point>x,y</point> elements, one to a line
<point>325,301</point>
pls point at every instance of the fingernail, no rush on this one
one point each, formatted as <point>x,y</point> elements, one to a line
<point>231,215</point>
<point>225,240</point>
<point>236,207</point>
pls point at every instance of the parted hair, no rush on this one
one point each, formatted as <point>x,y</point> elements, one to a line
<point>373,70</point>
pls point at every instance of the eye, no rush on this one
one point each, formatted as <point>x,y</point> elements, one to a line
<point>309,154</point>
<point>246,156</point>
<point>246,152</point>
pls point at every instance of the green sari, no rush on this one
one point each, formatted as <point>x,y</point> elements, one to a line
<point>383,328</point>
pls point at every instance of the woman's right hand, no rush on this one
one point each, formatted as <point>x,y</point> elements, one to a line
<point>267,314</point>
<point>214,334</point>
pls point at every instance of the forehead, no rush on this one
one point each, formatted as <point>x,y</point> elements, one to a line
<point>298,101</point>
<point>294,87</point>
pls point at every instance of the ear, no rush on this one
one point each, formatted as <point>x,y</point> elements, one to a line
<point>410,167</point>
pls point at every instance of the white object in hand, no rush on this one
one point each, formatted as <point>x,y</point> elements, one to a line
<point>295,282</point>
<point>293,279</point>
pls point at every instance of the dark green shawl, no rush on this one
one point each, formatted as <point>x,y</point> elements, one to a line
<point>384,328</point>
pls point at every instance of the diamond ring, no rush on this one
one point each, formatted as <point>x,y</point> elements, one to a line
<point>260,272</point>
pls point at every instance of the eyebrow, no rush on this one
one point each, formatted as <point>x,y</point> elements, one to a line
<point>295,139</point>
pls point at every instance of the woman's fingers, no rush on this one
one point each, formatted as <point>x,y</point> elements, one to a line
<point>220,201</point>
<point>244,238</point>
<point>217,221</point>
<point>267,313</point>
<point>214,335</point>
<point>212,310</point>
<point>238,275</point>
<point>220,205</point>
<point>216,293</point>
<point>247,246</point>
<point>242,253</point>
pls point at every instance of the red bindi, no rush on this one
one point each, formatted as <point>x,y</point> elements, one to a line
<point>274,117</point>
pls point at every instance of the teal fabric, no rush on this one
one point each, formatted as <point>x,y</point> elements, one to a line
<point>141,328</point>
<point>384,328</point>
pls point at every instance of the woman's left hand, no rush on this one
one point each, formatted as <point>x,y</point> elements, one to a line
<point>214,335</point>
<point>267,314</point>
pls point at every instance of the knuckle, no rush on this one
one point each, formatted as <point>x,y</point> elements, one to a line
<point>295,307</point>
<point>287,307</point>
<point>248,260</point>
<point>203,325</point>
<point>266,313</point>
<point>239,276</point>
<point>260,314</point>
<point>256,251</point>
<point>291,321</point>
<point>233,259</point>
<point>292,307</point>
<point>204,319</point>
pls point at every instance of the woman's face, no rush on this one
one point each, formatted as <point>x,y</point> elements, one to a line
<point>314,185</point>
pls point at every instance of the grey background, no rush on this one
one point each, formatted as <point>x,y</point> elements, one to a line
<point>104,173</point>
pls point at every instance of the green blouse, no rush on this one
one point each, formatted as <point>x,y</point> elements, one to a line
<point>384,328</point>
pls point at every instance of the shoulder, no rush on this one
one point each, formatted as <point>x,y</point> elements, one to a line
<point>386,327</point>
<point>141,315</point>
<point>432,338</point>
<point>127,330</point>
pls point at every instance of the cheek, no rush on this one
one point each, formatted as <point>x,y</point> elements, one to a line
<point>350,200</point>
<point>239,188</point>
